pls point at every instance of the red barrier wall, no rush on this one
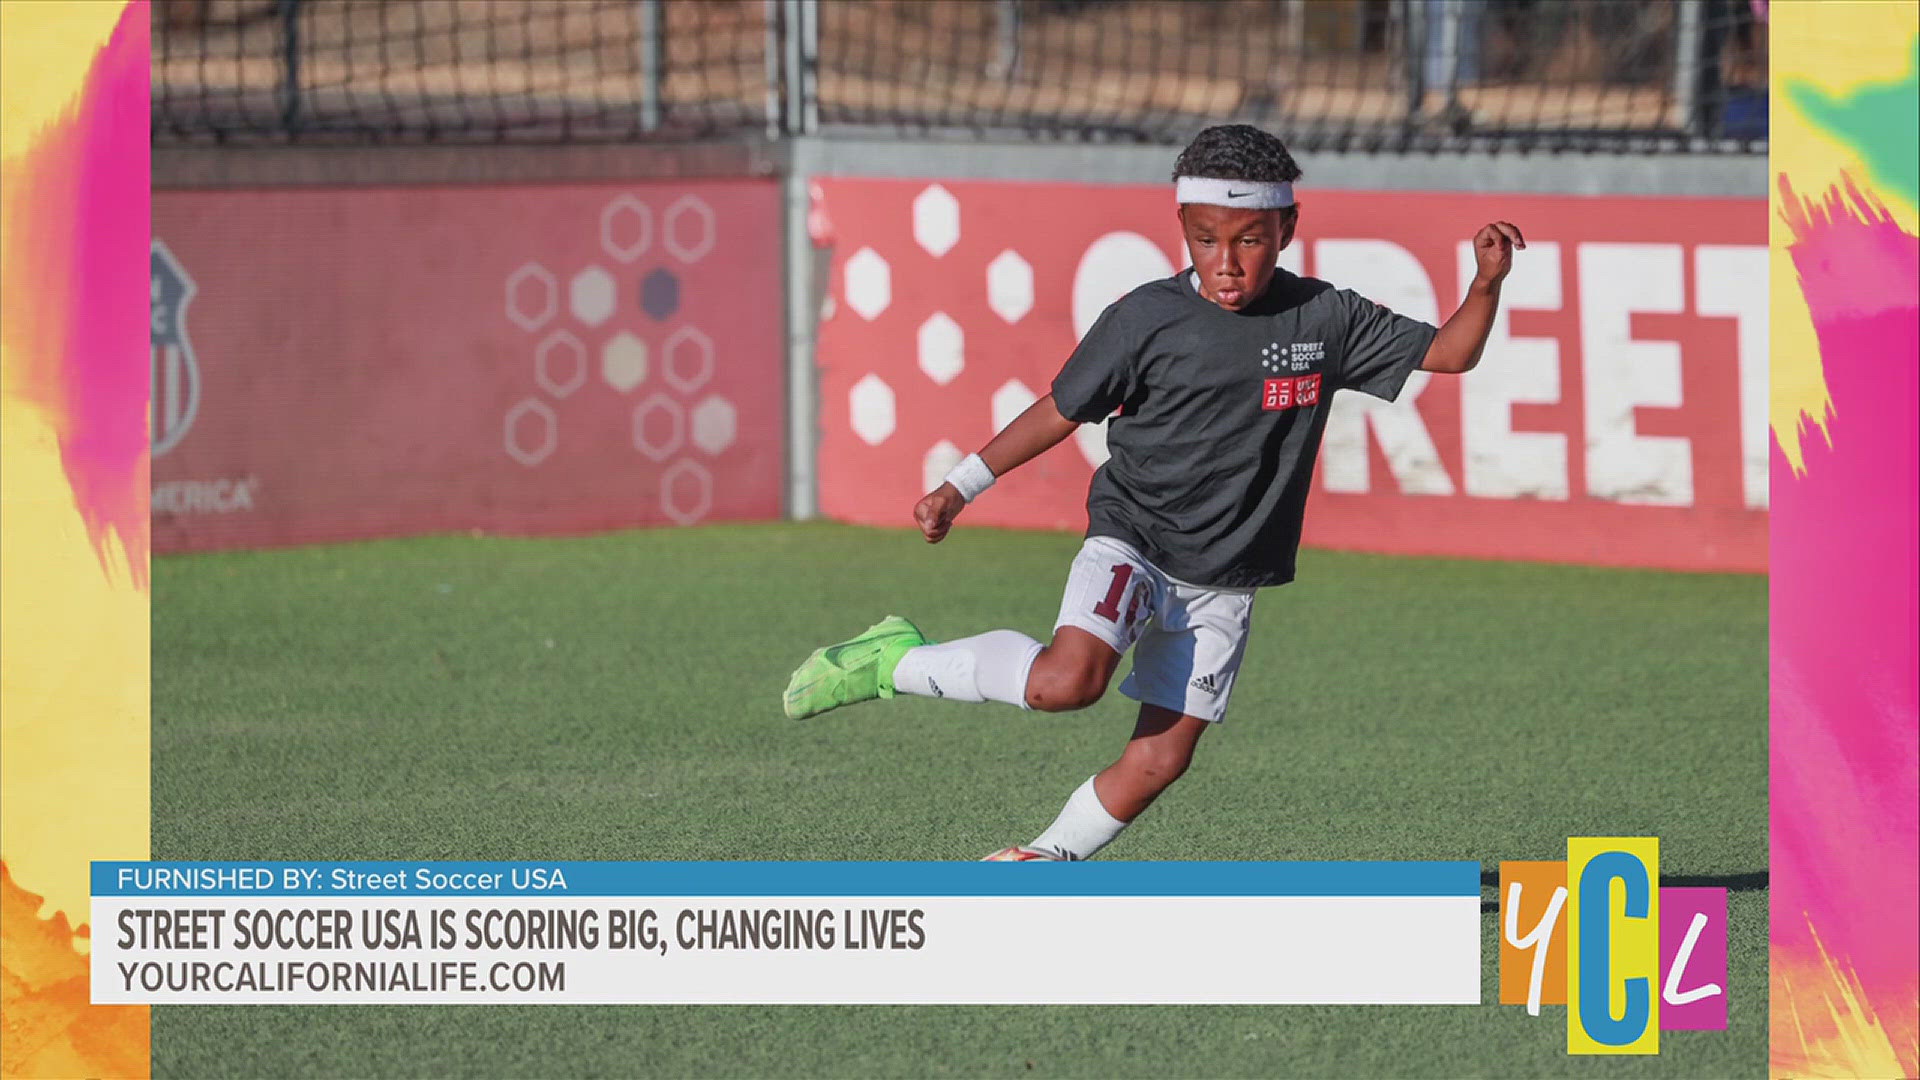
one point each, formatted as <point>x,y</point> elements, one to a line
<point>1619,416</point>
<point>342,363</point>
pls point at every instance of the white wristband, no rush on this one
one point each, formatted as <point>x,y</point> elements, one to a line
<point>971,477</point>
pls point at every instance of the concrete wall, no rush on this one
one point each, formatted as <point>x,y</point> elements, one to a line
<point>187,167</point>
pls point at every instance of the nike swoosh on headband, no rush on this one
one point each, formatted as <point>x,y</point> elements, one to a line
<point>1236,193</point>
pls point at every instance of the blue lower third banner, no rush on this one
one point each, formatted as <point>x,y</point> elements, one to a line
<point>1386,933</point>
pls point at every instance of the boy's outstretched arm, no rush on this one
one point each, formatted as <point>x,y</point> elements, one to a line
<point>1032,433</point>
<point>1456,347</point>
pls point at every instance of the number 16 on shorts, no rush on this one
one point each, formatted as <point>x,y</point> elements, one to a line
<point>1112,593</point>
<point>1109,608</point>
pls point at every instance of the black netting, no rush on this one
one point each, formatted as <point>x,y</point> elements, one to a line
<point>1618,75</point>
<point>460,70</point>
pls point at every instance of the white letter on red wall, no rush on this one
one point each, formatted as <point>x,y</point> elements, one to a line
<point>1731,280</point>
<point>1620,374</point>
<point>1502,463</point>
<point>1388,273</point>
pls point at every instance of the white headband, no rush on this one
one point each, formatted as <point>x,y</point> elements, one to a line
<point>1244,194</point>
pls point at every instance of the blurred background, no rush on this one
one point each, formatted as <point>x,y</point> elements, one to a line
<point>1599,75</point>
<point>791,258</point>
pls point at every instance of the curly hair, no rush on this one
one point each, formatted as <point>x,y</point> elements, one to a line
<point>1237,152</point>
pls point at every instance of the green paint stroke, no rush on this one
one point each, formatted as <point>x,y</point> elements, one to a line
<point>1881,121</point>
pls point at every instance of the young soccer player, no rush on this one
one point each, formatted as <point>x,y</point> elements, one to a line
<point>1222,376</point>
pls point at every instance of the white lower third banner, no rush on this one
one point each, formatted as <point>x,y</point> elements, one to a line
<point>1396,933</point>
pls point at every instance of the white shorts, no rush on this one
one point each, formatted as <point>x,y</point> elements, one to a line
<point>1187,640</point>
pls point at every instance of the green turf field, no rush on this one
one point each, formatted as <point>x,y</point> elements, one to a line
<point>618,697</point>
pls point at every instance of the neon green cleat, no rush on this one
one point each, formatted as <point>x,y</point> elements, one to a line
<point>857,670</point>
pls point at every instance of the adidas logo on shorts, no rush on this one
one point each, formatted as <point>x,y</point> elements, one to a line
<point>1207,683</point>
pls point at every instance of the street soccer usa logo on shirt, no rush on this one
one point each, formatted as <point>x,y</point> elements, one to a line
<point>1291,391</point>
<point>1598,934</point>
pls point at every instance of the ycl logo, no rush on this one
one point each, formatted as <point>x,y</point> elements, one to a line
<point>1622,937</point>
<point>1301,390</point>
<point>176,377</point>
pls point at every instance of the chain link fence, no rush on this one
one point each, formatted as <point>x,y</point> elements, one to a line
<point>1596,75</point>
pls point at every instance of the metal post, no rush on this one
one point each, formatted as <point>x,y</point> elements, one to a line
<point>773,68</point>
<point>810,65</point>
<point>1006,39</point>
<point>1686,66</point>
<point>1448,74</point>
<point>790,32</point>
<point>1413,25</point>
<point>652,59</point>
<point>805,289</point>
<point>290,117</point>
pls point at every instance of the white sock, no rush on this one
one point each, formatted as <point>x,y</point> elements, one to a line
<point>985,667</point>
<point>1083,827</point>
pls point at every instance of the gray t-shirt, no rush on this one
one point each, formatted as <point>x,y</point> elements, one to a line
<point>1221,414</point>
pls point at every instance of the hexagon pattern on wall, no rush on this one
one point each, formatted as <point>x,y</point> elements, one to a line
<point>1010,286</point>
<point>936,220</point>
<point>686,491</point>
<point>591,295</point>
<point>662,425</point>
<point>869,286</point>
<point>689,228</point>
<point>626,228</point>
<point>940,459</point>
<point>950,263</point>
<point>532,297</point>
<point>1010,401</point>
<point>660,293</point>
<point>871,405</point>
<point>532,431</point>
<point>688,362</point>
<point>714,424</point>
<point>658,427</point>
<point>560,364</point>
<point>941,348</point>
<point>623,361</point>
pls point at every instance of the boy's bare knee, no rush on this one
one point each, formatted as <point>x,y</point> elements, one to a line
<point>1064,694</point>
<point>1058,687</point>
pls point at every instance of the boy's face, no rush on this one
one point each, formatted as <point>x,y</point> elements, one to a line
<point>1234,250</point>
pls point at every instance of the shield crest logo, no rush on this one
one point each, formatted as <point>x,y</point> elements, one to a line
<point>175,394</point>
